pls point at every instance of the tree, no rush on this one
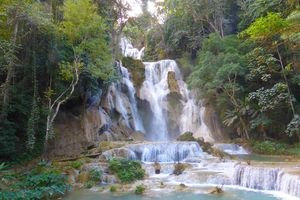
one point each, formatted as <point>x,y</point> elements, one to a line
<point>84,31</point>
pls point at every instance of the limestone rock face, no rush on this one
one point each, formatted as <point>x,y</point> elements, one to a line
<point>136,69</point>
<point>213,122</point>
<point>75,133</point>
<point>172,82</point>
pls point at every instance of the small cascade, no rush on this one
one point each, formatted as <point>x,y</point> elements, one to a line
<point>125,102</point>
<point>165,152</point>
<point>255,177</point>
<point>266,179</point>
<point>232,149</point>
<point>289,184</point>
<point>129,51</point>
<point>117,100</point>
<point>162,152</point>
<point>138,125</point>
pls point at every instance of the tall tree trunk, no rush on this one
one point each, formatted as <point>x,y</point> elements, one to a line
<point>55,105</point>
<point>286,81</point>
<point>10,74</point>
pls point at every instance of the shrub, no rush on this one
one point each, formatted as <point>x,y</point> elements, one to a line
<point>126,170</point>
<point>113,188</point>
<point>95,175</point>
<point>179,168</point>
<point>269,147</point>
<point>140,189</point>
<point>37,186</point>
<point>76,164</point>
<point>89,184</point>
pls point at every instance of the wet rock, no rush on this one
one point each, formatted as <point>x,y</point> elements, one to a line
<point>157,167</point>
<point>217,190</point>
<point>172,82</point>
<point>136,69</point>
<point>138,136</point>
<point>179,168</point>
<point>181,187</point>
<point>83,177</point>
<point>187,136</point>
<point>109,179</point>
<point>108,145</point>
<point>119,152</point>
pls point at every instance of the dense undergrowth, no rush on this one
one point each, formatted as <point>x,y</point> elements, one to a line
<point>42,182</point>
<point>126,170</point>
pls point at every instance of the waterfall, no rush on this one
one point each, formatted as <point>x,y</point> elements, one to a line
<point>288,183</point>
<point>155,90</point>
<point>166,151</point>
<point>138,125</point>
<point>262,178</point>
<point>129,51</point>
<point>163,152</point>
<point>255,177</point>
<point>232,149</point>
<point>125,103</point>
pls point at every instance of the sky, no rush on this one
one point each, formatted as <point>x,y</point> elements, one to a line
<point>136,7</point>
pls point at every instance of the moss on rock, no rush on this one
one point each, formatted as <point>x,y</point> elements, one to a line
<point>137,70</point>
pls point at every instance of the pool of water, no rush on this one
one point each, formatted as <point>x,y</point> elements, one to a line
<point>262,158</point>
<point>230,194</point>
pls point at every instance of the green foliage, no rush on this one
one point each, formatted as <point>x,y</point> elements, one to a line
<point>253,9</point>
<point>3,166</point>
<point>126,170</point>
<point>37,186</point>
<point>268,147</point>
<point>140,189</point>
<point>269,99</point>
<point>293,128</point>
<point>85,30</point>
<point>113,188</point>
<point>95,175</point>
<point>40,43</point>
<point>266,27</point>
<point>89,184</point>
<point>76,164</point>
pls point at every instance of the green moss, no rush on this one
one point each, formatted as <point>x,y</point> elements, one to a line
<point>76,164</point>
<point>206,146</point>
<point>137,70</point>
<point>187,136</point>
<point>140,189</point>
<point>179,168</point>
<point>113,188</point>
<point>89,184</point>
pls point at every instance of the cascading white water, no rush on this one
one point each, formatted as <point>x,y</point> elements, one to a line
<point>155,90</point>
<point>166,151</point>
<point>261,178</point>
<point>129,51</point>
<point>163,152</point>
<point>138,125</point>
<point>288,183</point>
<point>116,99</point>
<point>255,177</point>
<point>232,149</point>
<point>124,103</point>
